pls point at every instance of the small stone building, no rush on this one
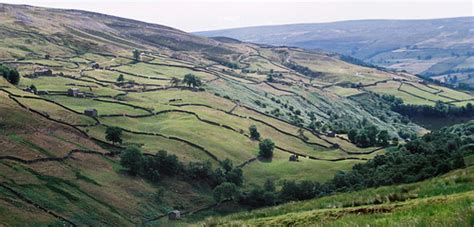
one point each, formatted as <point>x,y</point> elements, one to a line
<point>95,65</point>
<point>331,134</point>
<point>28,89</point>
<point>42,72</point>
<point>293,158</point>
<point>91,112</point>
<point>73,91</point>
<point>174,215</point>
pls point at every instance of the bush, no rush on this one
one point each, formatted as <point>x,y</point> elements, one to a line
<point>225,191</point>
<point>113,134</point>
<point>10,74</point>
<point>254,134</point>
<point>266,148</point>
<point>132,159</point>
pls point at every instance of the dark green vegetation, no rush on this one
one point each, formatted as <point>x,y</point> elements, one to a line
<point>102,98</point>
<point>11,75</point>
<point>434,154</point>
<point>442,201</point>
<point>420,46</point>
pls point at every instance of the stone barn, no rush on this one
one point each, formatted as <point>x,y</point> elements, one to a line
<point>91,112</point>
<point>73,91</point>
<point>331,134</point>
<point>43,72</point>
<point>293,158</point>
<point>95,65</point>
<point>174,215</point>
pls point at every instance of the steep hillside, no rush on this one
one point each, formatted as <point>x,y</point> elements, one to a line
<point>60,166</point>
<point>442,201</point>
<point>438,47</point>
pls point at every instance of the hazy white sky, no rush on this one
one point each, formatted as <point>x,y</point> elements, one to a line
<point>198,15</point>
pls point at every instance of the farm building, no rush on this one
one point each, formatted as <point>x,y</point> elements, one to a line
<point>95,65</point>
<point>174,215</point>
<point>42,72</point>
<point>29,89</point>
<point>331,134</point>
<point>293,158</point>
<point>73,91</point>
<point>91,112</point>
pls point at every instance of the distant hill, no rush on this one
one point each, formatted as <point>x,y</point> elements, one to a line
<point>435,48</point>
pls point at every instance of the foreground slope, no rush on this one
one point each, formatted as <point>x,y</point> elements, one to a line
<point>442,201</point>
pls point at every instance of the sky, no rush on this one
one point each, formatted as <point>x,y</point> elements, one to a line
<point>202,15</point>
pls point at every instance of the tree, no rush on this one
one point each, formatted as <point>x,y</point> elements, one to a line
<point>192,80</point>
<point>266,148</point>
<point>174,81</point>
<point>382,138</point>
<point>120,78</point>
<point>10,74</point>
<point>254,134</point>
<point>132,159</point>
<point>270,78</point>
<point>269,186</point>
<point>352,135</point>
<point>235,176</point>
<point>136,55</point>
<point>225,191</point>
<point>113,134</point>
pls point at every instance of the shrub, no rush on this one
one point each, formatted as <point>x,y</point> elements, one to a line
<point>266,148</point>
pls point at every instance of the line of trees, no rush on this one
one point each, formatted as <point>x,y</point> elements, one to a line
<point>154,167</point>
<point>369,136</point>
<point>302,69</point>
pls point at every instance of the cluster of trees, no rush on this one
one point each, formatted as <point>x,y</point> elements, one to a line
<point>153,167</point>
<point>272,75</point>
<point>357,61</point>
<point>434,154</point>
<point>10,74</point>
<point>303,70</point>
<point>438,110</point>
<point>192,80</point>
<point>369,136</point>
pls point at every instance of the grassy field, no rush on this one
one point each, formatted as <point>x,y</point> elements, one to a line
<point>442,201</point>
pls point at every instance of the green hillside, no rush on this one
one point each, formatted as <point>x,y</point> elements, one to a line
<point>442,201</point>
<point>58,165</point>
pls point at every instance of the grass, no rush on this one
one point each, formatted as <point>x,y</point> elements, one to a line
<point>280,169</point>
<point>159,71</point>
<point>237,147</point>
<point>421,93</point>
<point>56,112</point>
<point>81,104</point>
<point>390,88</point>
<point>342,91</point>
<point>260,64</point>
<point>441,201</point>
